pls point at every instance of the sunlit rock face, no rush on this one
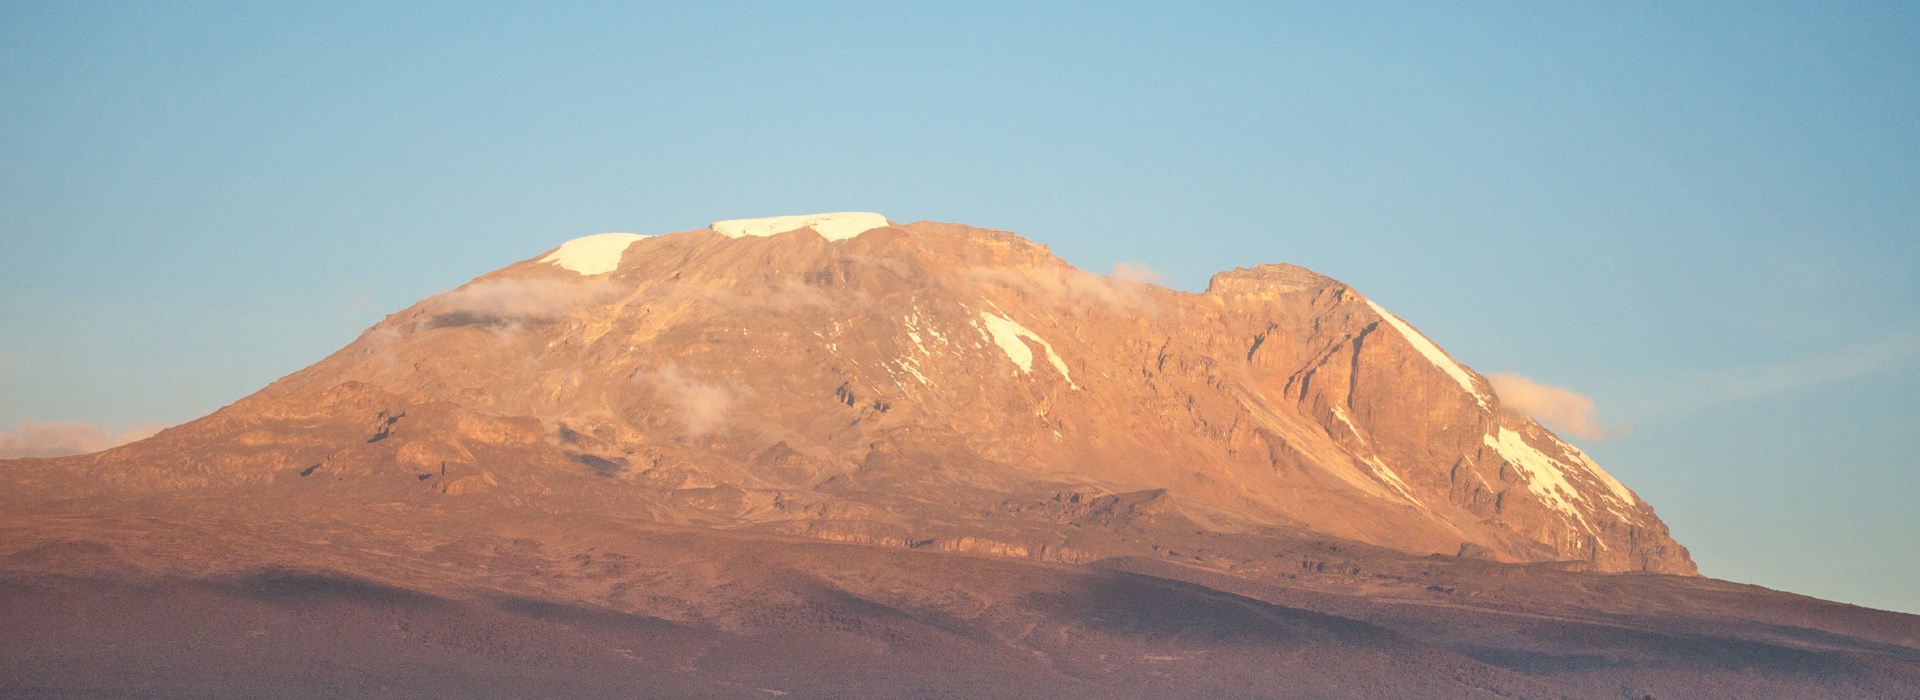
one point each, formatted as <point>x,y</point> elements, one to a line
<point>843,376</point>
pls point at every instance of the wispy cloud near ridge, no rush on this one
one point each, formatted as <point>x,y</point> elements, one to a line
<point>1126,290</point>
<point>1562,410</point>
<point>518,300</point>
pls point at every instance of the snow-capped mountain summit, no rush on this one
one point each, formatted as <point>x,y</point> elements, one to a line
<point>840,375</point>
<point>841,456</point>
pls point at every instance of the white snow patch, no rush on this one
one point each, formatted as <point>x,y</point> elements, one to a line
<point>597,254</point>
<point>1007,334</point>
<point>837,226</point>
<point>912,366</point>
<point>937,336</point>
<point>1341,414</point>
<point>1392,479</point>
<point>1545,475</point>
<point>1432,353</point>
<point>1619,490</point>
<point>915,327</point>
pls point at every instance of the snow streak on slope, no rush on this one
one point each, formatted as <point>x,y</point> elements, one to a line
<point>597,254</point>
<point>916,327</point>
<point>1545,475</point>
<point>1341,414</point>
<point>1619,490</point>
<point>1380,469</point>
<point>835,226</point>
<point>1007,334</point>
<point>1432,353</point>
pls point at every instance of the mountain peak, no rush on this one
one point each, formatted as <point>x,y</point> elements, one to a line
<point>835,226</point>
<point>1268,278</point>
<point>597,254</point>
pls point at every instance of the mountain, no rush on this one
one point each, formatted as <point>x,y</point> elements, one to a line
<point>867,369</point>
<point>800,452</point>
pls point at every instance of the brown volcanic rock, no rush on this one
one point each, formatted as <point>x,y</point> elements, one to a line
<point>941,358</point>
<point>915,373</point>
<point>1395,402</point>
<point>350,438</point>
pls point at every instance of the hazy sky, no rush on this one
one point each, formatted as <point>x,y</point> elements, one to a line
<point>1705,218</point>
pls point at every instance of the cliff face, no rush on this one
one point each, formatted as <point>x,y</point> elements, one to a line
<point>1432,428</point>
<point>909,384</point>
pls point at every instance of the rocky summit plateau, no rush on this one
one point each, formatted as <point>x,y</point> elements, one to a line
<point>840,456</point>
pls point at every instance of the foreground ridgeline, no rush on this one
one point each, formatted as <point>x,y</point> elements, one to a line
<point>833,453</point>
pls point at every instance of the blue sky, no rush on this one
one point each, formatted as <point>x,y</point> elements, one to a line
<point>1706,217</point>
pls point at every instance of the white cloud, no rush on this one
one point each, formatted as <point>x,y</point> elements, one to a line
<point>1138,273</point>
<point>702,406</point>
<point>1562,410</point>
<point>1126,290</point>
<point>519,300</point>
